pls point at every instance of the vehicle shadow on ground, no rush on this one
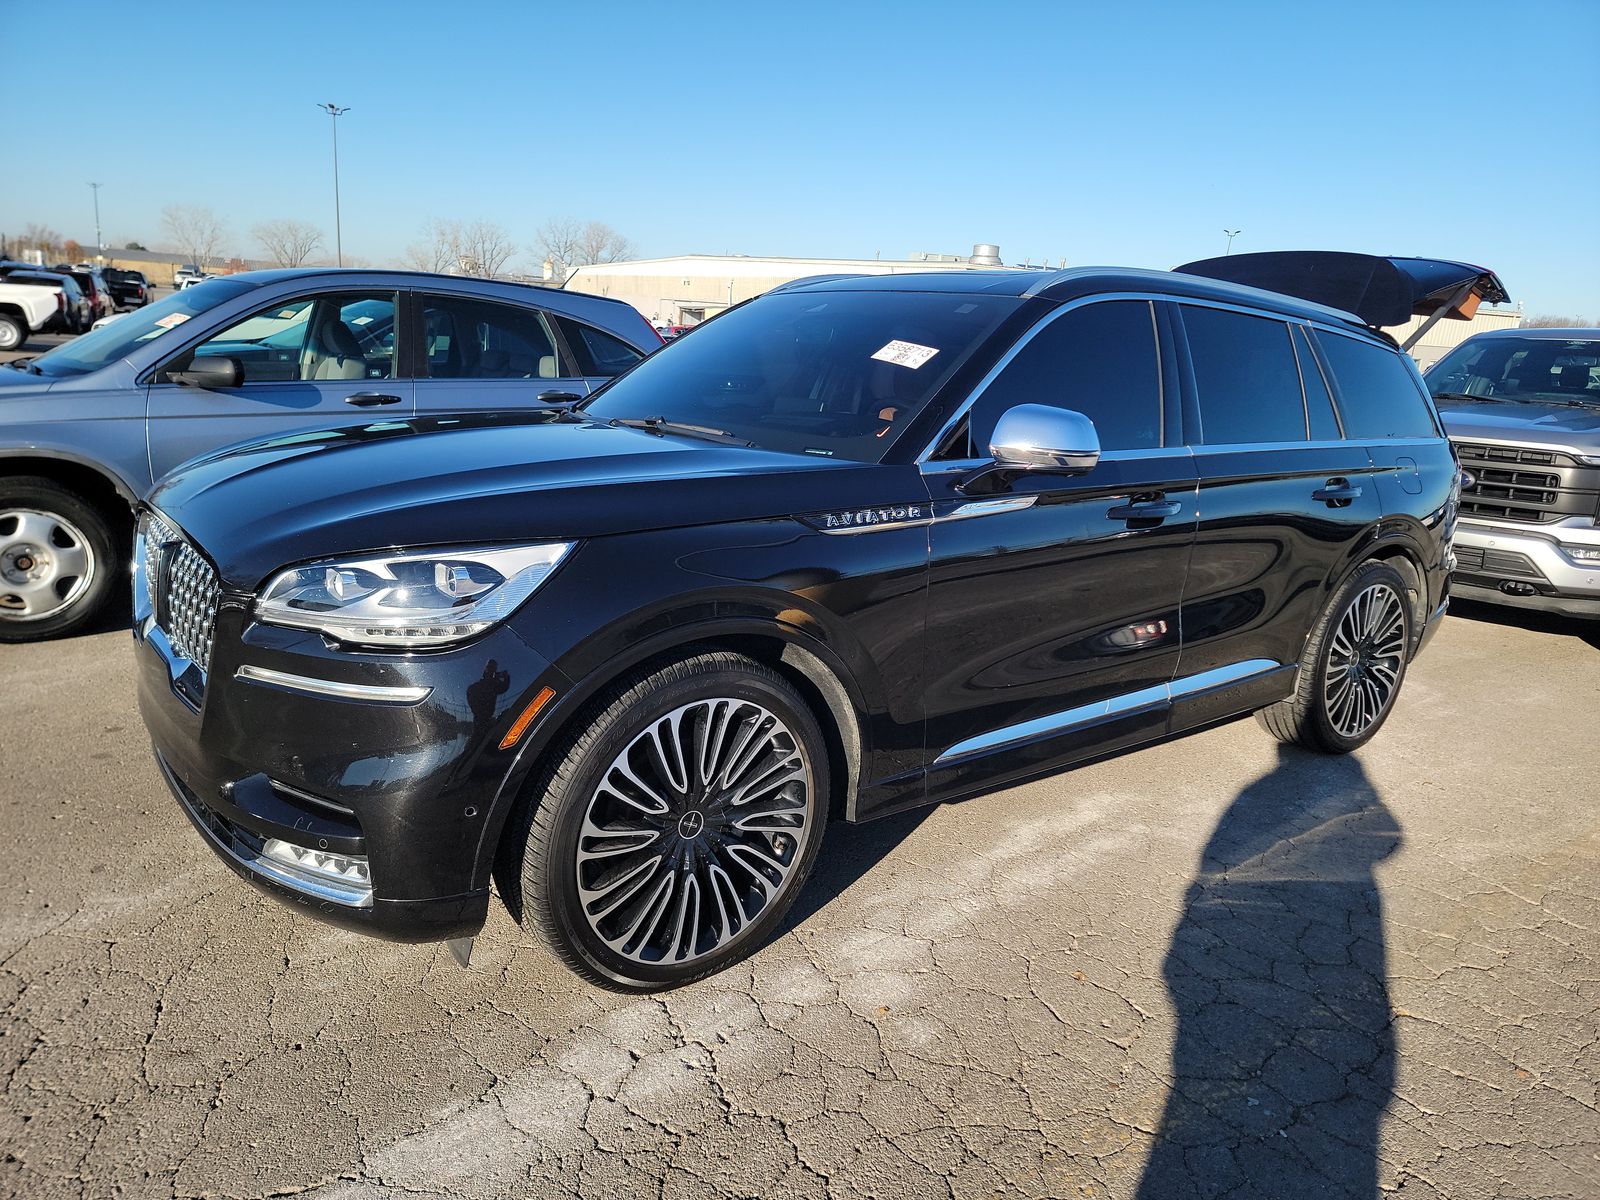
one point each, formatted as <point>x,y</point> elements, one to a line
<point>1536,622</point>
<point>848,853</point>
<point>1284,1059</point>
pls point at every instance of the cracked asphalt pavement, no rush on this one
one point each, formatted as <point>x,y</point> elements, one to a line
<point>1211,968</point>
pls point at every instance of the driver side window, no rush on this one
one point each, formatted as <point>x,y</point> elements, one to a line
<point>1101,360</point>
<point>345,336</point>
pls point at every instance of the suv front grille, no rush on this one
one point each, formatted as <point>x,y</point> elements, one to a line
<point>1518,484</point>
<point>184,589</point>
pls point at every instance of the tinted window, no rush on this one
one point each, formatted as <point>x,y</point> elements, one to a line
<point>1377,394</point>
<point>1245,373</point>
<point>311,338</point>
<point>1100,360</point>
<point>831,373</point>
<point>477,339</point>
<point>110,342</point>
<point>598,353</point>
<point>1319,404</point>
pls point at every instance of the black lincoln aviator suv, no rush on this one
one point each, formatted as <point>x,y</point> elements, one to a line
<point>857,545</point>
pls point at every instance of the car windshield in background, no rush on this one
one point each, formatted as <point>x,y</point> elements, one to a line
<point>126,334</point>
<point>835,374</point>
<point>1544,370</point>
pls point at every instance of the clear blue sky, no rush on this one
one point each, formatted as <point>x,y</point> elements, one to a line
<point>1115,133</point>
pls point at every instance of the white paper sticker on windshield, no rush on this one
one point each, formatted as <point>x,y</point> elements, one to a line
<point>905,354</point>
<point>171,320</point>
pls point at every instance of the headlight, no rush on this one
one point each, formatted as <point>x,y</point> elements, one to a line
<point>426,598</point>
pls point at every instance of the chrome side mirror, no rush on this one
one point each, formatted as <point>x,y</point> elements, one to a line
<point>1038,437</point>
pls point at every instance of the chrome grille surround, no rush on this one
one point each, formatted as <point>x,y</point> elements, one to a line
<point>183,588</point>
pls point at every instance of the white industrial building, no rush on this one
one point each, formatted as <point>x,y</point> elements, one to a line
<point>688,288</point>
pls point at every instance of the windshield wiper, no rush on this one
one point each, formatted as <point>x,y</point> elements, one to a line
<point>662,426</point>
<point>1483,399</point>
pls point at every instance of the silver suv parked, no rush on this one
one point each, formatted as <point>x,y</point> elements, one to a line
<point>1523,409</point>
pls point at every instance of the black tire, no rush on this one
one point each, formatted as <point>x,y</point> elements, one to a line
<point>1316,721</point>
<point>539,872</point>
<point>13,333</point>
<point>93,589</point>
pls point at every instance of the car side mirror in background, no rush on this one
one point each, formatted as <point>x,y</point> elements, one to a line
<point>208,371</point>
<point>1037,438</point>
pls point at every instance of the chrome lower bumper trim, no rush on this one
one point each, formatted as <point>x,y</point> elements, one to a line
<point>366,692</point>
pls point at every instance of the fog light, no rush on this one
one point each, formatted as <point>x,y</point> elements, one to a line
<point>1588,556</point>
<point>346,875</point>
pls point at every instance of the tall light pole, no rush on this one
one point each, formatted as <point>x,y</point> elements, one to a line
<point>334,111</point>
<point>1232,233</point>
<point>99,242</point>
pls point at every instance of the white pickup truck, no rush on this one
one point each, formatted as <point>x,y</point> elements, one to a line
<point>25,310</point>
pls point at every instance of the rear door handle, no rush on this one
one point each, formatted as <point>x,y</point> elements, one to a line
<point>1145,510</point>
<point>371,399</point>
<point>1337,493</point>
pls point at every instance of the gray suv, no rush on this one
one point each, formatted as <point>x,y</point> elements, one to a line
<point>1523,409</point>
<point>87,428</point>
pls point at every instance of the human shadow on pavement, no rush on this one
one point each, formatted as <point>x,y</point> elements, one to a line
<point>1284,1058</point>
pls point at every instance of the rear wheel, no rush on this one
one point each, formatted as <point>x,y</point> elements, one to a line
<point>673,833</point>
<point>13,333</point>
<point>57,560</point>
<point>1352,668</point>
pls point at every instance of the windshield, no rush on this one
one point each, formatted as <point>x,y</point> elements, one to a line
<point>1544,370</point>
<point>835,374</point>
<point>126,334</point>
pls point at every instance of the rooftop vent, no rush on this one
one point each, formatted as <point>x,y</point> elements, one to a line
<point>985,255</point>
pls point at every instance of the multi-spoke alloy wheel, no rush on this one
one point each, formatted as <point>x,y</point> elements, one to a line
<point>693,831</point>
<point>46,564</point>
<point>671,833</point>
<point>1353,664</point>
<point>1365,658</point>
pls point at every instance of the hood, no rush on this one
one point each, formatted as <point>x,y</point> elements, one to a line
<point>1560,426</point>
<point>486,479</point>
<point>11,380</point>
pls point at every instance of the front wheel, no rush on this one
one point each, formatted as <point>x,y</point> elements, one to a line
<point>1352,668</point>
<point>672,834</point>
<point>58,561</point>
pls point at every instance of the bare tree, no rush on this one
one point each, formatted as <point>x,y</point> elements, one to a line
<point>41,238</point>
<point>195,230</point>
<point>1550,321</point>
<point>439,250</point>
<point>287,242</point>
<point>484,248</point>
<point>599,243</point>
<point>558,242</point>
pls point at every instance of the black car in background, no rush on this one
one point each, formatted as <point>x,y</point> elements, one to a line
<point>858,545</point>
<point>129,289</point>
<point>94,287</point>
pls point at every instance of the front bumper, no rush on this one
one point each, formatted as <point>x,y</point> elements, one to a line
<point>408,792</point>
<point>1527,567</point>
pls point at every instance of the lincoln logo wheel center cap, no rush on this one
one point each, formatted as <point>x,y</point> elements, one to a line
<point>691,824</point>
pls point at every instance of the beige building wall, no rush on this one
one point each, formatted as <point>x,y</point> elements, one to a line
<point>689,288</point>
<point>1446,334</point>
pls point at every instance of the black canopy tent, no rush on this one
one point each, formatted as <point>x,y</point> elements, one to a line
<point>1380,291</point>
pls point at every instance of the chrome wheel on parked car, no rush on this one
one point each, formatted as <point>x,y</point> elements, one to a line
<point>46,564</point>
<point>1365,659</point>
<point>694,830</point>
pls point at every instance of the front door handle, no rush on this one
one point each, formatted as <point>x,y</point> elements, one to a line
<point>1145,510</point>
<point>371,399</point>
<point>1337,493</point>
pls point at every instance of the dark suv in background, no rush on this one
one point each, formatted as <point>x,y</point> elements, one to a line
<point>857,545</point>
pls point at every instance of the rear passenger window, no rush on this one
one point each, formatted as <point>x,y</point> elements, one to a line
<point>597,353</point>
<point>1377,394</point>
<point>1246,376</point>
<point>1319,404</point>
<point>1100,360</point>
<point>475,339</point>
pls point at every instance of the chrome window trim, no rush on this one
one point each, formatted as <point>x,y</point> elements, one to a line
<point>1118,706</point>
<point>1235,447</point>
<point>1020,344</point>
<point>305,684</point>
